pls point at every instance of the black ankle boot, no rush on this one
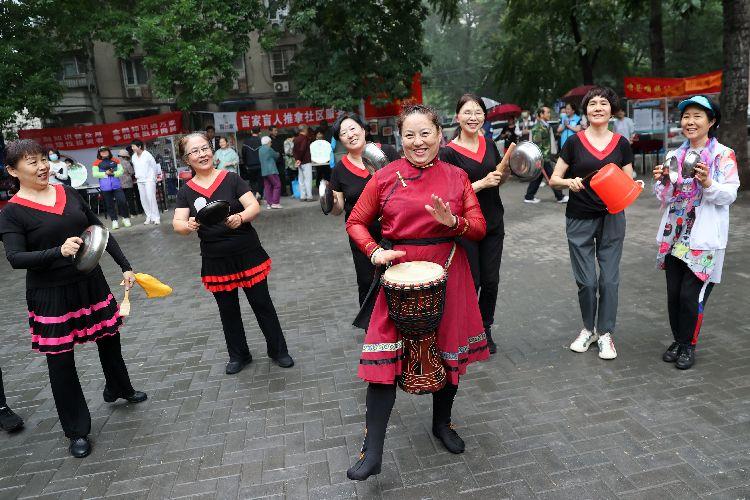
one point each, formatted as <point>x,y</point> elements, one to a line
<point>442,405</point>
<point>491,346</point>
<point>687,357</point>
<point>380,399</point>
<point>672,353</point>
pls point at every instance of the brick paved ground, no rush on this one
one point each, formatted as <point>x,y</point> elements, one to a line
<point>538,420</point>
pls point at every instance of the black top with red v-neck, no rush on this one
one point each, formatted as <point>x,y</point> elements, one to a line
<point>33,234</point>
<point>350,180</point>
<point>477,164</point>
<point>219,240</point>
<point>583,159</point>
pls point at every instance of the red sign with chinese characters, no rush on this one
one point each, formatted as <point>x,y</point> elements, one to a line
<point>284,118</point>
<point>650,88</point>
<point>394,108</point>
<point>110,134</point>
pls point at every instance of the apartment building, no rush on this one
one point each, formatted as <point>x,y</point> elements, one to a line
<point>118,89</point>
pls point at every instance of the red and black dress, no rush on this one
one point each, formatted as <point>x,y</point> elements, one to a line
<point>234,259</point>
<point>484,255</point>
<point>460,336</point>
<point>66,307</point>
<point>349,179</point>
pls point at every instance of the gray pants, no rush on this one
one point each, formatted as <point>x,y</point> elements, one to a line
<point>591,241</point>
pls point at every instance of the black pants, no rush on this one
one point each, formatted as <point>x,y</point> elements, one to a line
<point>66,388</point>
<point>234,331</point>
<point>683,292</point>
<point>484,259</point>
<point>364,269</point>
<point>2,391</point>
<point>134,200</point>
<point>534,185</point>
<point>322,172</point>
<point>255,179</point>
<point>282,177</point>
<point>122,204</point>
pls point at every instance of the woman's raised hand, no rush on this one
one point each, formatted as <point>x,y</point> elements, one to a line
<point>384,257</point>
<point>71,246</point>
<point>441,211</point>
<point>661,171</point>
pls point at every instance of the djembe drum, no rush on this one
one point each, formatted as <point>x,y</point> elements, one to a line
<point>415,292</point>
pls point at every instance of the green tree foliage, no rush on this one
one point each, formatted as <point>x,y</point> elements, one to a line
<point>28,64</point>
<point>353,50</point>
<point>460,59</point>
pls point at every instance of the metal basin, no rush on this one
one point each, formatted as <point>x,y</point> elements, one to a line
<point>94,243</point>
<point>689,163</point>
<point>373,157</point>
<point>526,161</point>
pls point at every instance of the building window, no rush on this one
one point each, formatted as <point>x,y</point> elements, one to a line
<point>240,81</point>
<point>71,68</point>
<point>134,73</point>
<point>281,58</point>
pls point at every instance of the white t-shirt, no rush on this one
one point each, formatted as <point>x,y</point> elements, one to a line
<point>624,127</point>
<point>145,167</point>
<point>58,172</point>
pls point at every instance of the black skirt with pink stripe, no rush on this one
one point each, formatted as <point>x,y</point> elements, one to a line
<point>65,315</point>
<point>236,271</point>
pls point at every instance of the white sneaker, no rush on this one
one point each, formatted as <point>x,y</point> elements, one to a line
<point>583,341</point>
<point>564,199</point>
<point>535,200</point>
<point>115,225</point>
<point>156,222</point>
<point>126,222</point>
<point>606,347</point>
<point>147,221</point>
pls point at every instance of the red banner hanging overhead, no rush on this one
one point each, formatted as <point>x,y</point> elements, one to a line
<point>109,134</point>
<point>650,88</point>
<point>284,118</point>
<point>394,108</point>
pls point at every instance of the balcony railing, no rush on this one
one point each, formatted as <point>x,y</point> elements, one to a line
<point>77,81</point>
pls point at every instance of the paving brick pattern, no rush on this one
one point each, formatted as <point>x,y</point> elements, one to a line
<point>539,421</point>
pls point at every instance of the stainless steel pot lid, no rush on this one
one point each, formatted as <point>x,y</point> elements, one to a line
<point>94,243</point>
<point>373,157</point>
<point>689,163</point>
<point>326,196</point>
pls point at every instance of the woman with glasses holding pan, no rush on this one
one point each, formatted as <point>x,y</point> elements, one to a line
<point>694,229</point>
<point>231,252</point>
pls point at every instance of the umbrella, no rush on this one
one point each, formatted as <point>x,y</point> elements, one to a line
<point>489,103</point>
<point>577,93</point>
<point>503,112</point>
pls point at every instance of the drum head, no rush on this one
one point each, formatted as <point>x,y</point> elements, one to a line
<point>213,213</point>
<point>413,273</point>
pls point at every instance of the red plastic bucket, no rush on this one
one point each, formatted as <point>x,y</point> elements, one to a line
<point>615,188</point>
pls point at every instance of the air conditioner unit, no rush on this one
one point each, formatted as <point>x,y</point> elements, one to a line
<point>133,92</point>
<point>281,87</point>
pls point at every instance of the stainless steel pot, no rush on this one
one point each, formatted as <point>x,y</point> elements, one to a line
<point>373,157</point>
<point>688,164</point>
<point>94,243</point>
<point>326,196</point>
<point>526,161</point>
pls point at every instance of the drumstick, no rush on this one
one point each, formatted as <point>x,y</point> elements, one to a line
<point>506,158</point>
<point>125,306</point>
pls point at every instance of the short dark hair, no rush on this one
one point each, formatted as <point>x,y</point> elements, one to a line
<point>336,129</point>
<point>469,97</point>
<point>421,109</point>
<point>540,110</point>
<point>210,127</point>
<point>15,151</point>
<point>605,92</point>
<point>103,148</point>
<point>53,150</point>
<point>713,114</point>
<point>137,142</point>
<point>255,130</point>
<point>573,106</point>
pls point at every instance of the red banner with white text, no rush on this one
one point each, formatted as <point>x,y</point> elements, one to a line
<point>109,134</point>
<point>394,108</point>
<point>651,88</point>
<point>284,118</point>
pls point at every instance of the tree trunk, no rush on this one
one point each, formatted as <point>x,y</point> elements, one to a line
<point>734,88</point>
<point>656,39</point>
<point>584,59</point>
<point>96,101</point>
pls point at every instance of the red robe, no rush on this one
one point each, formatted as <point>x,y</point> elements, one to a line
<point>460,336</point>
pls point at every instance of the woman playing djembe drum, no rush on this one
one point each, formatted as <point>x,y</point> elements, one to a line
<point>423,204</point>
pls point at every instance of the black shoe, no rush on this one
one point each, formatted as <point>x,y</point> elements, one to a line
<point>136,397</point>
<point>491,346</point>
<point>450,438</point>
<point>284,361</point>
<point>80,447</point>
<point>9,421</point>
<point>235,366</point>
<point>369,464</point>
<point>672,353</point>
<point>687,357</point>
